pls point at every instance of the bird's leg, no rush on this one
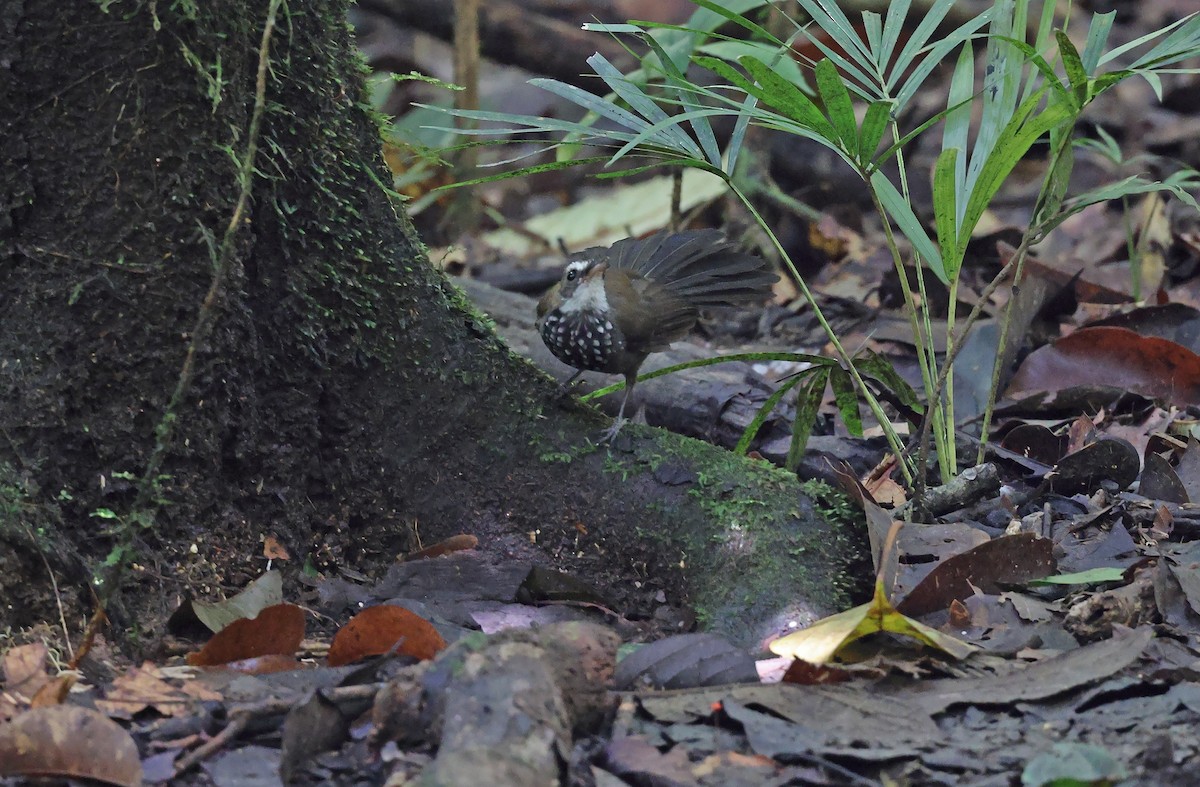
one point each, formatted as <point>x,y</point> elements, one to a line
<point>610,434</point>
<point>566,387</point>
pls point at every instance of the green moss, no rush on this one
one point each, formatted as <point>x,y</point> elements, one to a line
<point>804,557</point>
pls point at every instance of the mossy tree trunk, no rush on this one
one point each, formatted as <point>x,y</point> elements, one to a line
<point>346,399</point>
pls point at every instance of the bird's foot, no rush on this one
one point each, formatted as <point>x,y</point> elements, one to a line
<point>610,434</point>
<point>569,386</point>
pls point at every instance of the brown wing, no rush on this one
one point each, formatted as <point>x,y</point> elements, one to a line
<point>648,315</point>
<point>698,265</point>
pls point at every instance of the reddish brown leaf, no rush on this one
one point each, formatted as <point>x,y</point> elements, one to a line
<point>452,544</point>
<point>1006,559</point>
<point>69,741</point>
<point>1113,357</point>
<point>278,629</point>
<point>376,630</point>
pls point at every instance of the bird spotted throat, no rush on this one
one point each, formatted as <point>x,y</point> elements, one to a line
<point>614,306</point>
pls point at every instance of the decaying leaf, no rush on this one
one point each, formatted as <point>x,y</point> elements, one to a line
<point>263,592</point>
<point>69,741</point>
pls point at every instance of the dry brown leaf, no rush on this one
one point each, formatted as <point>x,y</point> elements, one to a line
<point>376,630</point>
<point>277,629</point>
<point>69,741</point>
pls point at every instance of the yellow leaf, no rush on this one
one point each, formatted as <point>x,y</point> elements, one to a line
<point>821,641</point>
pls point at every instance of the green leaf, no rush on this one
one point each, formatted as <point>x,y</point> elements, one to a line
<point>1180,184</point>
<point>902,213</point>
<point>873,28</point>
<point>1181,44</point>
<point>1089,577</point>
<point>733,51</point>
<point>846,399</point>
<point>936,56</point>
<point>651,133</point>
<point>751,430</point>
<point>685,93</point>
<point>893,28</point>
<point>945,209</point>
<point>808,404</point>
<point>787,98</point>
<point>1050,76</point>
<point>726,10</point>
<point>663,129</point>
<point>1076,74</point>
<point>874,366</point>
<point>1163,48</point>
<point>1058,179</point>
<point>833,92</point>
<point>830,18</point>
<point>549,166</point>
<point>874,125</point>
<point>592,102</point>
<point>1012,144</point>
<point>1098,31</point>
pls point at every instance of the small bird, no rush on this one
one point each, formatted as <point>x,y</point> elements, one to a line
<point>614,306</point>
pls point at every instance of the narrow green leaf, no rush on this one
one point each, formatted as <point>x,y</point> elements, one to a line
<point>612,29</point>
<point>874,366</point>
<point>531,170</point>
<point>775,91</point>
<point>873,28</point>
<point>1050,76</point>
<point>530,123</point>
<point>808,405</point>
<point>682,89</point>
<point>902,213</point>
<point>592,102</point>
<point>1076,74</point>
<point>863,83</point>
<point>916,132</point>
<point>786,66</point>
<point>833,92</point>
<point>1055,188</point>
<point>830,18</point>
<point>914,78</point>
<point>945,209</point>
<point>1001,87</point>
<point>667,132</point>
<point>874,125</point>
<point>652,133</point>
<point>893,27</point>
<point>1179,185</point>
<point>725,10</point>
<point>1089,577</point>
<point>1098,31</point>
<point>846,399</point>
<point>1180,44</point>
<point>1014,142</point>
<point>764,412</point>
<point>958,124</point>
<point>1175,26</point>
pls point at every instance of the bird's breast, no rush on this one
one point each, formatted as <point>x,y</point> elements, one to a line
<point>583,339</point>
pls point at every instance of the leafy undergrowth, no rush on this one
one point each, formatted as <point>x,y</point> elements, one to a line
<point>1065,648</point>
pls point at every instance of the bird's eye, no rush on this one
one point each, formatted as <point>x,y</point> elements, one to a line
<point>571,275</point>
